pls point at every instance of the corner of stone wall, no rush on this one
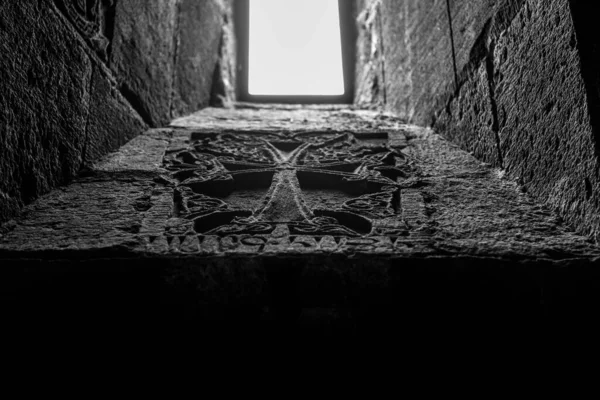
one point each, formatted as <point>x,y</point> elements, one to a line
<point>115,114</point>
<point>199,41</point>
<point>470,115</point>
<point>507,82</point>
<point>546,130</point>
<point>60,106</point>
<point>83,78</point>
<point>418,65</point>
<point>164,54</point>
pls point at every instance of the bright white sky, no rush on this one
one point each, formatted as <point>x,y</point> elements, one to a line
<point>295,48</point>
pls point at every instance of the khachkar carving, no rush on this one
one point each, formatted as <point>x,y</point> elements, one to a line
<point>265,186</point>
<point>88,17</point>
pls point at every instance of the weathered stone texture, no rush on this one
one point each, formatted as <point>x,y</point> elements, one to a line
<point>167,55</point>
<point>418,57</point>
<point>468,119</point>
<point>446,201</point>
<point>546,135</point>
<point>151,220</point>
<point>93,20</point>
<point>171,56</point>
<point>198,39</point>
<point>474,25</point>
<point>432,47</point>
<point>370,80</point>
<point>143,153</point>
<point>44,102</point>
<point>518,90</point>
<point>143,53</point>
<point>225,78</point>
<point>471,207</point>
<point>62,107</point>
<point>111,120</point>
<point>470,116</point>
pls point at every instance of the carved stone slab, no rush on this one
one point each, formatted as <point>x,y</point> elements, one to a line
<point>276,192</point>
<point>311,186</point>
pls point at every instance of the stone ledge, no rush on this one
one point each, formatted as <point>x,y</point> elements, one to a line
<point>466,239</point>
<point>452,204</point>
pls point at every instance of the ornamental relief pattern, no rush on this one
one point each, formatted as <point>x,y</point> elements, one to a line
<point>275,184</point>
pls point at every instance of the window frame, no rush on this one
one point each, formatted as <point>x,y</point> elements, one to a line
<point>348,33</point>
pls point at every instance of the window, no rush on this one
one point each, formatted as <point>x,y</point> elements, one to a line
<point>295,51</point>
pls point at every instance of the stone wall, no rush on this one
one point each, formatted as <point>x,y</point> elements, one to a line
<point>369,81</point>
<point>81,78</point>
<point>165,54</point>
<point>515,82</point>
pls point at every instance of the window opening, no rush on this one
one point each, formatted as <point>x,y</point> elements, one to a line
<point>295,48</point>
<point>295,51</point>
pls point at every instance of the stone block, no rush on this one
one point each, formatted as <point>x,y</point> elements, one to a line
<point>518,90</point>
<point>144,153</point>
<point>418,57</point>
<point>470,116</point>
<point>369,81</point>
<point>471,27</point>
<point>224,92</point>
<point>468,120</point>
<point>433,47</point>
<point>546,136</point>
<point>143,50</point>
<point>61,107</point>
<point>112,121</point>
<point>198,38</point>
<point>450,237</point>
<point>44,85</point>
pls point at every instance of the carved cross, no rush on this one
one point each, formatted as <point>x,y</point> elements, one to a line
<point>217,165</point>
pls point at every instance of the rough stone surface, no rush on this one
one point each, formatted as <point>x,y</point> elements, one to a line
<point>432,48</point>
<point>143,53</point>
<point>199,37</point>
<point>320,215</point>
<point>418,57</point>
<point>167,55</point>
<point>143,153</point>
<point>62,108</point>
<point>370,79</point>
<point>475,25</point>
<point>224,83</point>
<point>111,120</point>
<point>469,120</point>
<point>511,81</point>
<point>45,86</point>
<point>93,20</point>
<point>470,117</point>
<point>545,131</point>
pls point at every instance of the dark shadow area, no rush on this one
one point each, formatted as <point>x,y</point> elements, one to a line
<point>311,296</point>
<point>588,42</point>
